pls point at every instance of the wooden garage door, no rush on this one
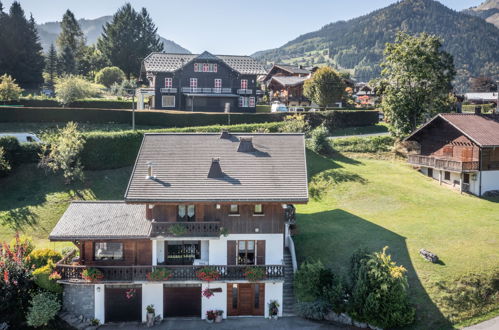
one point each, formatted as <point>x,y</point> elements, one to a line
<point>119,307</point>
<point>182,301</point>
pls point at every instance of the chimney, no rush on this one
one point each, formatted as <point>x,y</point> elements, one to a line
<point>150,174</point>
<point>300,66</point>
<point>246,145</point>
<point>478,110</point>
<point>215,169</point>
<point>148,212</point>
<point>225,134</point>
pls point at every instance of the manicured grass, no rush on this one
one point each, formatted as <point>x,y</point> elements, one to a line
<point>375,203</point>
<point>379,128</point>
<point>33,202</point>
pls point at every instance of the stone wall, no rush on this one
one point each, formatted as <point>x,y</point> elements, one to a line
<point>78,299</point>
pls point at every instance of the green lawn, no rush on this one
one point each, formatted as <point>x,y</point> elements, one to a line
<point>378,128</point>
<point>374,203</point>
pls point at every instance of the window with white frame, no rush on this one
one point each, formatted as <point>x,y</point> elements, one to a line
<point>218,83</point>
<point>205,67</point>
<point>244,83</point>
<point>193,83</point>
<point>252,102</point>
<point>196,67</point>
<point>243,102</point>
<point>168,101</point>
<point>168,82</point>
<point>108,251</point>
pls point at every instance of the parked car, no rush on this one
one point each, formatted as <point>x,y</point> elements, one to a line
<point>297,109</point>
<point>278,107</point>
<point>23,137</point>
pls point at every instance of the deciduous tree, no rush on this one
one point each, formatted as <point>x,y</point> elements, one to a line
<point>416,77</point>
<point>325,87</point>
<point>9,89</point>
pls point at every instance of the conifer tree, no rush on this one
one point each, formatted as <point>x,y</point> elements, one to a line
<point>128,38</point>
<point>51,66</point>
<point>71,42</point>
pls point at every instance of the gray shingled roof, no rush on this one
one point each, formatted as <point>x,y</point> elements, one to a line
<point>165,62</point>
<point>289,81</point>
<point>293,69</point>
<point>102,220</point>
<point>277,171</point>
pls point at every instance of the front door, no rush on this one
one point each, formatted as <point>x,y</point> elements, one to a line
<point>245,299</point>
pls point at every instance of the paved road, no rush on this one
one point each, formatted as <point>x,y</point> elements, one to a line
<point>359,135</point>
<point>492,324</point>
<point>250,323</point>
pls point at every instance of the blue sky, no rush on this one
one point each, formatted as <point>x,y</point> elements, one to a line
<point>224,26</point>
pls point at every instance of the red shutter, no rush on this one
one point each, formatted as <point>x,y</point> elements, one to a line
<point>231,252</point>
<point>260,252</point>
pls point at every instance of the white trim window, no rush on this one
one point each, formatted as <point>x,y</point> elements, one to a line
<point>193,82</point>
<point>244,83</point>
<point>218,85</point>
<point>168,82</point>
<point>168,101</point>
<point>252,102</point>
<point>243,102</point>
<point>206,67</point>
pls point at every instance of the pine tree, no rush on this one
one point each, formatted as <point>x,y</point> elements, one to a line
<point>21,53</point>
<point>128,38</point>
<point>71,42</point>
<point>51,66</point>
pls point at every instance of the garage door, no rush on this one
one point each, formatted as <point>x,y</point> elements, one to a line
<point>123,304</point>
<point>182,301</point>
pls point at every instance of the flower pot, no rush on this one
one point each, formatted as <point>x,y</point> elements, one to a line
<point>209,321</point>
<point>218,319</point>
<point>150,319</point>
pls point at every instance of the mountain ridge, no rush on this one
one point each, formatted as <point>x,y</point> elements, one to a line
<point>357,45</point>
<point>488,10</point>
<point>92,28</point>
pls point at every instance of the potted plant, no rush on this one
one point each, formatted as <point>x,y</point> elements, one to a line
<point>224,232</point>
<point>177,230</point>
<point>254,274</point>
<point>219,316</point>
<point>159,274</point>
<point>92,275</point>
<point>207,293</point>
<point>150,315</point>
<point>210,316</point>
<point>273,309</point>
<point>208,274</point>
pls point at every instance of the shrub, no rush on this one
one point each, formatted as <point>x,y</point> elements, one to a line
<point>44,307</point>
<point>315,310</point>
<point>469,296</point>
<point>44,279</point>
<point>9,89</point>
<point>350,118</point>
<point>109,75</point>
<point>319,141</point>
<point>25,242</point>
<point>41,257</point>
<point>379,291</point>
<point>71,88</point>
<point>295,124</point>
<point>4,163</point>
<point>372,144</point>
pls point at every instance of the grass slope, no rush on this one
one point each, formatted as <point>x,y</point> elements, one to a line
<point>375,203</point>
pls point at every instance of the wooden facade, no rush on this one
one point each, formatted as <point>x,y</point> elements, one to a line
<point>135,252</point>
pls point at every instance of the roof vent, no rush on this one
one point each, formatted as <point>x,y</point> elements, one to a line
<point>225,134</point>
<point>215,169</point>
<point>246,145</point>
<point>150,174</point>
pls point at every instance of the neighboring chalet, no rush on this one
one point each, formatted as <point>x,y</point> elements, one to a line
<point>285,84</point>
<point>364,94</point>
<point>194,203</point>
<point>460,150</point>
<point>203,82</point>
<point>482,98</point>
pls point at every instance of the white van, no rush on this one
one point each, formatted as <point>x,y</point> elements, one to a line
<point>23,137</point>
<point>278,107</point>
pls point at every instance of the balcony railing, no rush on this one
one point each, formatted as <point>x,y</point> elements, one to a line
<point>179,273</point>
<point>168,90</point>
<point>244,91</point>
<point>199,90</point>
<point>186,229</point>
<point>444,164</point>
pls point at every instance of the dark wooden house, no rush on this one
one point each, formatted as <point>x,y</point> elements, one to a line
<point>285,84</point>
<point>460,150</point>
<point>204,82</point>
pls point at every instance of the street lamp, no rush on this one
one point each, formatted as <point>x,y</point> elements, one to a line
<point>132,91</point>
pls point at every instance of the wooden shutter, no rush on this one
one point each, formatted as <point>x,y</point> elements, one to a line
<point>260,252</point>
<point>199,212</point>
<point>231,252</point>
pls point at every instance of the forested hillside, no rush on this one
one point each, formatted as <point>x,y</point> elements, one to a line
<point>357,45</point>
<point>489,11</point>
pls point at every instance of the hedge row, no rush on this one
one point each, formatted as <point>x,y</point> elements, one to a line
<point>152,118</point>
<point>372,144</point>
<point>106,150</point>
<point>87,103</point>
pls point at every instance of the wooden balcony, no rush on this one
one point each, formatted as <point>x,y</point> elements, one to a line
<point>443,164</point>
<point>168,90</point>
<point>186,229</point>
<point>199,90</point>
<point>73,273</point>
<point>243,91</point>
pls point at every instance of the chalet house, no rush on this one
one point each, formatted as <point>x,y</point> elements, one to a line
<point>460,150</point>
<point>202,82</point>
<point>482,98</point>
<point>285,84</point>
<point>201,212</point>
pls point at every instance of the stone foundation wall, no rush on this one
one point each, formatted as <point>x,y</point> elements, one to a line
<point>78,299</point>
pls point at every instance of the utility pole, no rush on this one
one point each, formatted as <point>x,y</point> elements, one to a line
<point>132,91</point>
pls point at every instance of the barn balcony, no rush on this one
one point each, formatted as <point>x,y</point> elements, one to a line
<point>208,229</point>
<point>73,273</point>
<point>443,163</point>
